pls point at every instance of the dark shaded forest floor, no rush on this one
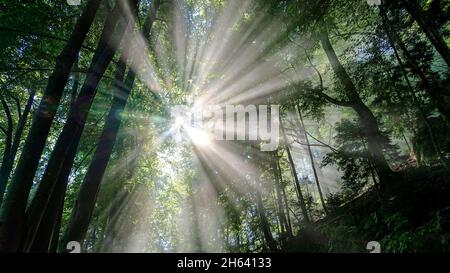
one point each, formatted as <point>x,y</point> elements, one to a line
<point>412,215</point>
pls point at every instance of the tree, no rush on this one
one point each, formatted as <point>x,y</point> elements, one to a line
<point>13,207</point>
<point>316,178</point>
<point>8,147</point>
<point>57,171</point>
<point>306,217</point>
<point>8,162</point>
<point>426,23</point>
<point>89,189</point>
<point>368,121</point>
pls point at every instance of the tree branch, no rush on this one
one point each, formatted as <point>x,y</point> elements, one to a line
<point>43,35</point>
<point>321,142</point>
<point>26,70</point>
<point>8,115</point>
<point>17,101</point>
<point>321,93</point>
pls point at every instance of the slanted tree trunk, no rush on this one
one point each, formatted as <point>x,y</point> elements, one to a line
<point>63,155</point>
<point>7,166</point>
<point>311,158</point>
<point>12,214</point>
<point>426,23</point>
<point>264,223</point>
<point>294,173</point>
<point>87,196</point>
<point>82,228</point>
<point>277,182</point>
<point>40,235</point>
<point>286,204</point>
<point>48,231</point>
<point>46,238</point>
<point>367,120</point>
<point>8,147</point>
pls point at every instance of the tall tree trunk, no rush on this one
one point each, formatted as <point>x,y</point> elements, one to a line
<point>40,232</point>
<point>311,158</point>
<point>87,196</point>
<point>84,193</point>
<point>294,173</point>
<point>265,226</point>
<point>286,206</point>
<point>426,23</point>
<point>13,207</point>
<point>63,155</point>
<point>367,120</point>
<point>285,200</point>
<point>48,230</point>
<point>8,147</point>
<point>6,168</point>
<point>277,174</point>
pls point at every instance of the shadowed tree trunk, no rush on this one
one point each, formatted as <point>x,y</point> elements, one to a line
<point>311,158</point>
<point>48,230</point>
<point>87,196</point>
<point>277,182</point>
<point>286,204</point>
<point>367,120</point>
<point>8,146</point>
<point>265,226</point>
<point>13,208</point>
<point>39,236</point>
<point>294,174</point>
<point>7,166</point>
<point>57,170</point>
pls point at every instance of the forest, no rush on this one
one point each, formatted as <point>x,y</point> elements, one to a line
<point>100,150</point>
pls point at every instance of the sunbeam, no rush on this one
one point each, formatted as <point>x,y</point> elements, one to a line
<point>224,126</point>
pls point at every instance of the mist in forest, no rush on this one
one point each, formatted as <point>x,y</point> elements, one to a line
<point>339,135</point>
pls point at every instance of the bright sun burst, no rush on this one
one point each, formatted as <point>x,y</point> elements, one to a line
<point>198,137</point>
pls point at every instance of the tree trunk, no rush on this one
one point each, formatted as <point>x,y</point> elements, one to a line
<point>367,120</point>
<point>87,196</point>
<point>427,25</point>
<point>8,148</point>
<point>311,158</point>
<point>277,174</point>
<point>286,204</point>
<point>46,237</point>
<point>48,230</point>
<point>5,171</point>
<point>41,227</point>
<point>82,209</point>
<point>13,207</point>
<point>63,155</point>
<point>294,173</point>
<point>265,227</point>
